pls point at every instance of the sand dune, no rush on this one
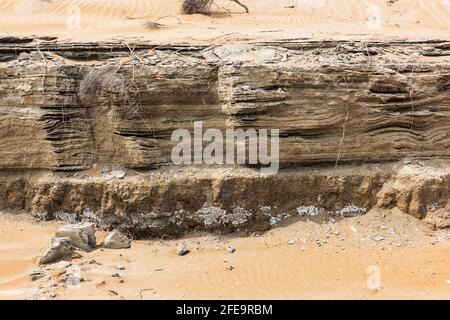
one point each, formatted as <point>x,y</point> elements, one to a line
<point>104,19</point>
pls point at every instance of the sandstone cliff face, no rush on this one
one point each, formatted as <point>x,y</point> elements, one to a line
<point>332,101</point>
<point>68,107</point>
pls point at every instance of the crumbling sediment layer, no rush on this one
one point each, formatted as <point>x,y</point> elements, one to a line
<point>176,201</point>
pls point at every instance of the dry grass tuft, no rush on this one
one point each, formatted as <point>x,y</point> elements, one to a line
<point>204,6</point>
<point>105,79</point>
<point>196,6</point>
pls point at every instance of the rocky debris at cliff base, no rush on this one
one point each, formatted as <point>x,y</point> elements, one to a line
<point>116,240</point>
<point>82,236</point>
<point>67,239</point>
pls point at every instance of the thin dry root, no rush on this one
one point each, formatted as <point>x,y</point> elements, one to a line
<point>242,5</point>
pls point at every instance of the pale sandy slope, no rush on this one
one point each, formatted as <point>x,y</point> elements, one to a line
<point>412,261</point>
<point>268,19</point>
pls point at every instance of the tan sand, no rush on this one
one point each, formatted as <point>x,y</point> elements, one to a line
<point>268,19</point>
<point>413,263</point>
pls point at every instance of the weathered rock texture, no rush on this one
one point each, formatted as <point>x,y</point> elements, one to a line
<point>331,100</point>
<point>76,106</point>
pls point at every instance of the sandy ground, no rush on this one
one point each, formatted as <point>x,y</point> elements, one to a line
<point>268,19</point>
<point>308,259</point>
<point>325,260</point>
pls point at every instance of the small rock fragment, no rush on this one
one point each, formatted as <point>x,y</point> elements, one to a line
<point>116,240</point>
<point>231,250</point>
<point>120,267</point>
<point>293,241</point>
<point>94,261</point>
<point>37,274</point>
<point>73,277</point>
<point>182,249</point>
<point>58,250</point>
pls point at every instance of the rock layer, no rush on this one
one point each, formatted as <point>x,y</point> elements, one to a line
<point>332,101</point>
<point>68,107</point>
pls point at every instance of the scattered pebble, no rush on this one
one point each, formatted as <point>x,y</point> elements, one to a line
<point>293,241</point>
<point>94,261</point>
<point>182,249</point>
<point>37,274</point>
<point>231,250</point>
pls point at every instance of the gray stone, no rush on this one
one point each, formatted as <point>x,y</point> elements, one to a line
<point>58,250</point>
<point>73,278</point>
<point>81,236</point>
<point>116,240</point>
<point>182,249</point>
